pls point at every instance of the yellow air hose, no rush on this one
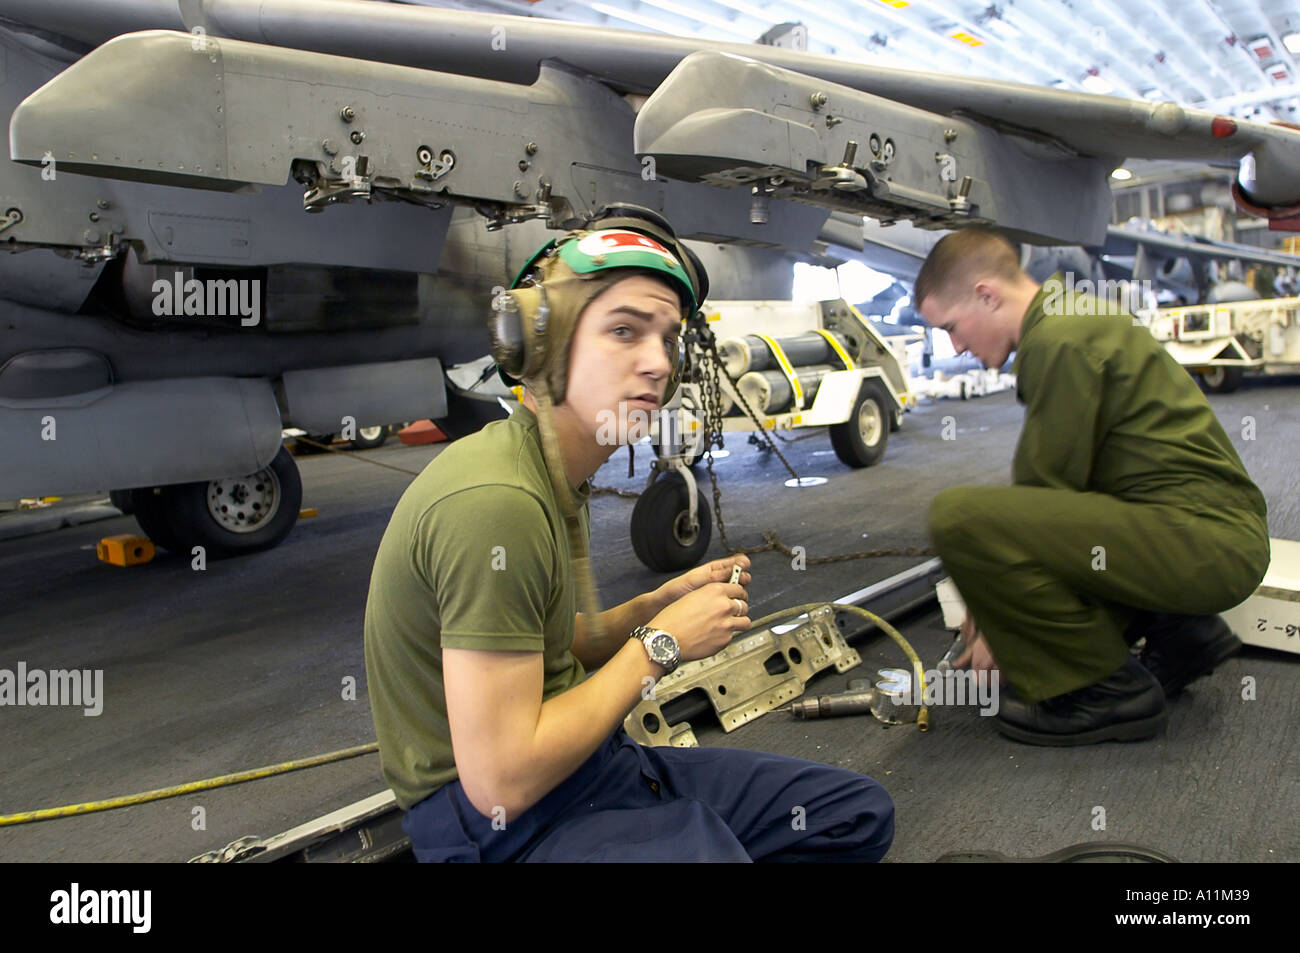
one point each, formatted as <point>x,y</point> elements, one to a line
<point>923,716</point>
<point>159,794</point>
<point>591,606</point>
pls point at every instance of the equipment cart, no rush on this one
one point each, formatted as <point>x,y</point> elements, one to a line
<point>769,366</point>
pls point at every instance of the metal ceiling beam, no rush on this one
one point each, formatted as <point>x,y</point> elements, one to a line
<point>988,37</point>
<point>1116,18</point>
<point>1282,51</point>
<point>1041,65</point>
<point>1262,81</point>
<point>1249,99</point>
<point>906,45</point>
<point>1168,16</point>
<point>814,38</point>
<point>1082,64</point>
<point>708,19</point>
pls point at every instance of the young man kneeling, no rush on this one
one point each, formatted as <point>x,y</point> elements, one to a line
<point>492,735</point>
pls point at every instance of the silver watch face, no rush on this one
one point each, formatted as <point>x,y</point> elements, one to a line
<point>663,646</point>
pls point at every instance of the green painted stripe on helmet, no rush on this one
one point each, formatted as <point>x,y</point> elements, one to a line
<point>622,248</point>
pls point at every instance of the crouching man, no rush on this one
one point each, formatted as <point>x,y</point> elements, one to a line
<point>495,739</point>
<point>1131,515</point>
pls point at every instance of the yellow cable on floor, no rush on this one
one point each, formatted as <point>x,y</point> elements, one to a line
<point>254,774</point>
<point>72,810</point>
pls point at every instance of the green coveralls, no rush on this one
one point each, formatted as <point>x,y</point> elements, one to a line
<point>1128,496</point>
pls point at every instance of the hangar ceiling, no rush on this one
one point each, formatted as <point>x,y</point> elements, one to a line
<point>1234,57</point>
<point>1229,56</point>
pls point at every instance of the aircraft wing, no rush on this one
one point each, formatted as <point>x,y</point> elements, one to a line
<point>1060,139</point>
<point>1121,241</point>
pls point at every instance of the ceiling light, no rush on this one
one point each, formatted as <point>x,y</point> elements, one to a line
<point>1261,46</point>
<point>994,20</point>
<point>1292,42</point>
<point>1152,94</point>
<point>1278,72</point>
<point>1095,84</point>
<point>1121,175</point>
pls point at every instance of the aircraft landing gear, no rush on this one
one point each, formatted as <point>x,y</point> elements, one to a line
<point>368,438</point>
<point>227,517</point>
<point>662,535</point>
<point>691,461</point>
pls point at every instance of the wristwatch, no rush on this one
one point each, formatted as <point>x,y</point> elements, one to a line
<point>659,645</point>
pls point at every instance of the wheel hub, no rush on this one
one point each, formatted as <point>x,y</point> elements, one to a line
<point>244,504</point>
<point>683,531</point>
<point>869,423</point>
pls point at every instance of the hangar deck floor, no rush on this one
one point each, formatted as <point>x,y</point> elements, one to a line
<point>242,665</point>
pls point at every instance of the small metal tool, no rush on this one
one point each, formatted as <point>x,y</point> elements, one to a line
<point>833,706</point>
<point>888,700</point>
<point>945,663</point>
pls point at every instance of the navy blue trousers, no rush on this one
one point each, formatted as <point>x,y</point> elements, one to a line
<point>629,802</point>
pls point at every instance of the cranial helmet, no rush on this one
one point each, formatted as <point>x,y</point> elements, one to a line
<point>532,324</point>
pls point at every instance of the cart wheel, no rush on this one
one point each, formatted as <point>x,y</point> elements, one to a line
<point>1221,380</point>
<point>368,438</point>
<point>860,440</point>
<point>896,420</point>
<point>661,534</point>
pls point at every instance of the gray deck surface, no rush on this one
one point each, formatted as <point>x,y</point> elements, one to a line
<point>242,665</point>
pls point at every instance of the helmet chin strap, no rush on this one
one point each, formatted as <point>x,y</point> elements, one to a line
<point>578,555</point>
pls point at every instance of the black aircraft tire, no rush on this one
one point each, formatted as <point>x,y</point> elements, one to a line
<point>860,441</point>
<point>1222,380</point>
<point>277,488</point>
<point>658,519</point>
<point>368,438</point>
<point>149,507</point>
<point>122,500</point>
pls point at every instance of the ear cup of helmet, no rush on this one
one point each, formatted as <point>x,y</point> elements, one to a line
<point>517,326</point>
<point>677,363</point>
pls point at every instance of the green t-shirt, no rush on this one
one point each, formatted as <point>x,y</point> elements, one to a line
<point>476,556</point>
<point>1109,410</point>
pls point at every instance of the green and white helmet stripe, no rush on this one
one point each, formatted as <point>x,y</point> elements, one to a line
<point>621,248</point>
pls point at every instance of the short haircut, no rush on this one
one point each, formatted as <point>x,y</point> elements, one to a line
<point>961,259</point>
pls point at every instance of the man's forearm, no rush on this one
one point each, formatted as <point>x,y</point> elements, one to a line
<point>571,725</point>
<point>617,622</point>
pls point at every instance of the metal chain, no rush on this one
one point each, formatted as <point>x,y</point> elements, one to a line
<point>611,491</point>
<point>322,446</point>
<point>708,374</point>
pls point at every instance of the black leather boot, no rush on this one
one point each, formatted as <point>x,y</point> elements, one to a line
<point>1182,648</point>
<point>1127,705</point>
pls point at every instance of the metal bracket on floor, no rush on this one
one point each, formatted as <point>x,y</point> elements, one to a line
<point>748,678</point>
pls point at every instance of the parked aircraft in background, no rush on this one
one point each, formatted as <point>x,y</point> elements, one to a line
<point>170,308</point>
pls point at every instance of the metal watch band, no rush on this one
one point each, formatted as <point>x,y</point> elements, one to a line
<point>646,635</point>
